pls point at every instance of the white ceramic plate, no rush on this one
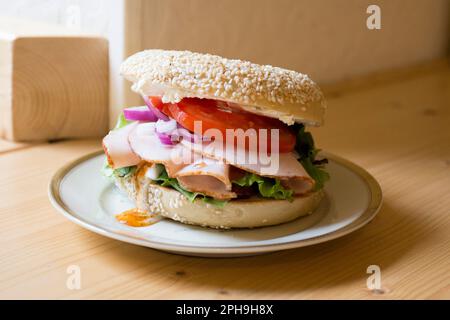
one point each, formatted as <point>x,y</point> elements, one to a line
<point>84,196</point>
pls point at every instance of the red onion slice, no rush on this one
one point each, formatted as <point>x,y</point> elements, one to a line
<point>164,138</point>
<point>155,110</point>
<point>139,114</point>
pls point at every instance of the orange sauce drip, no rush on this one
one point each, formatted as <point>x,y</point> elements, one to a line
<point>135,218</point>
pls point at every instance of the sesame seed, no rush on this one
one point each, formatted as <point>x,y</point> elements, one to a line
<point>223,79</point>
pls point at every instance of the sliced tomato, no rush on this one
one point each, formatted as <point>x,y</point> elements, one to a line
<point>156,102</point>
<point>215,114</point>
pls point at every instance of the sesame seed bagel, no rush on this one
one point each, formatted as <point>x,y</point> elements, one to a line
<point>262,89</point>
<point>246,213</point>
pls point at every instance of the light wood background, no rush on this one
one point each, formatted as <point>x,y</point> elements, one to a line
<point>53,82</point>
<point>395,125</point>
<point>326,39</point>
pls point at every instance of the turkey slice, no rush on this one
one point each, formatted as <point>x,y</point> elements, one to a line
<point>276,165</point>
<point>146,144</point>
<point>298,185</point>
<point>207,167</point>
<point>117,148</point>
<point>207,185</point>
<point>194,172</point>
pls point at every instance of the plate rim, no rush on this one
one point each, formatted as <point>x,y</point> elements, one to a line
<point>375,192</point>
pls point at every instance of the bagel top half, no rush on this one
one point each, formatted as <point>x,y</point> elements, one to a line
<point>279,93</point>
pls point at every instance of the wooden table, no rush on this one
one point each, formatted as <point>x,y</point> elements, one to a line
<point>396,125</point>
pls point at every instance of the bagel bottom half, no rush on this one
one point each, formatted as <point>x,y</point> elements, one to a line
<point>244,213</point>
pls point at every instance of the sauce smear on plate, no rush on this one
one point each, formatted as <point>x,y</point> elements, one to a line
<point>136,218</point>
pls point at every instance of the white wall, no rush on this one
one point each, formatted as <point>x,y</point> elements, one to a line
<point>88,15</point>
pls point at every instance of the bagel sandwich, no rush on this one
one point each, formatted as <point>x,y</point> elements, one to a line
<point>219,143</point>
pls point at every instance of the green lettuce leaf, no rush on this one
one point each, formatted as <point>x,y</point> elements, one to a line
<point>121,121</point>
<point>307,151</point>
<point>268,187</point>
<point>124,172</point>
<point>316,172</point>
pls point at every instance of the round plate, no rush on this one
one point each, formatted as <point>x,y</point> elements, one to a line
<point>84,196</point>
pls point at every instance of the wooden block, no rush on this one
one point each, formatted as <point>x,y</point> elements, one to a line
<point>53,83</point>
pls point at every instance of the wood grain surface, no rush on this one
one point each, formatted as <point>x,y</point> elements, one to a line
<point>46,91</point>
<point>399,130</point>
